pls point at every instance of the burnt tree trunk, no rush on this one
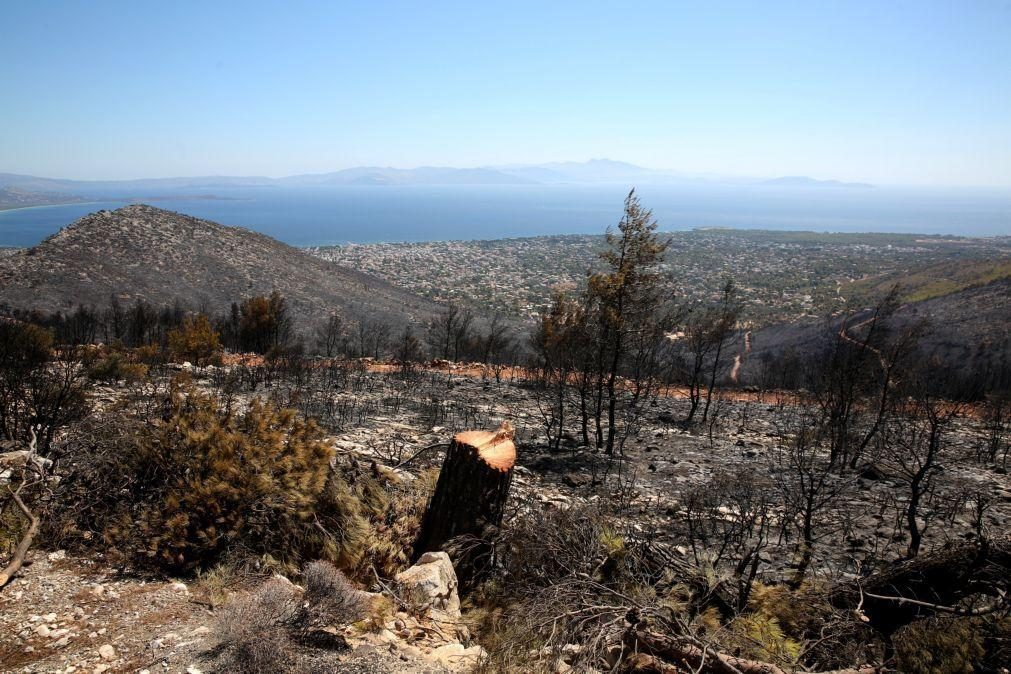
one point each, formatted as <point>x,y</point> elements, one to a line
<point>471,492</point>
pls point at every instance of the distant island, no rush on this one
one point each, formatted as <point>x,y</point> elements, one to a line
<point>12,198</point>
<point>805,181</point>
<point>15,197</point>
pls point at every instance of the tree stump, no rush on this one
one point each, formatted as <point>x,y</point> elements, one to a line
<point>471,492</point>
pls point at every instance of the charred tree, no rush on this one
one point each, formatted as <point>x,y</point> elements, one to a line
<point>945,581</point>
<point>471,492</point>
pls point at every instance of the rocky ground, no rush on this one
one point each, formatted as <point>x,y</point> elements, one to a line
<point>64,614</point>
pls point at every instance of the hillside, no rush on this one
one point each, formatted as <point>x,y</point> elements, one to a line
<point>968,331</point>
<point>142,252</point>
<point>931,281</point>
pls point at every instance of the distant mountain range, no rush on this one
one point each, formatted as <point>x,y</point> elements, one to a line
<point>54,190</point>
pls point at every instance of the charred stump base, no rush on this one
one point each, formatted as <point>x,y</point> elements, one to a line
<point>469,498</point>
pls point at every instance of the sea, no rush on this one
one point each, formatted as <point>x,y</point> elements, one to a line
<point>338,215</point>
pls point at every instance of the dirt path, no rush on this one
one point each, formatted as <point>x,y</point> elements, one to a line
<point>739,357</point>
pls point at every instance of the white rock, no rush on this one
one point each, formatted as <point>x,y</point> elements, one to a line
<point>107,652</point>
<point>179,587</point>
<point>431,584</point>
<point>458,658</point>
<point>42,630</point>
<point>386,637</point>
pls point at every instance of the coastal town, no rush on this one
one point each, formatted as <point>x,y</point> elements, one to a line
<point>779,275</point>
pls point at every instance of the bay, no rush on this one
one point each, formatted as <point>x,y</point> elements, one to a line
<point>326,215</point>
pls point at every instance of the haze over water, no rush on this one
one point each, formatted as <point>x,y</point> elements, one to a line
<point>367,214</point>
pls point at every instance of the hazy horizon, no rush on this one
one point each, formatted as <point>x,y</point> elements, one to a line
<point>686,175</point>
<point>889,94</point>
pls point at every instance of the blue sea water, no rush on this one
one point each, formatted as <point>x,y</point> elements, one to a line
<point>365,214</point>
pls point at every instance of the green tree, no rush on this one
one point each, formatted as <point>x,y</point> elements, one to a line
<point>628,299</point>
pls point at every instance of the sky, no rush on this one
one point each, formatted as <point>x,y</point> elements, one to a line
<point>889,92</point>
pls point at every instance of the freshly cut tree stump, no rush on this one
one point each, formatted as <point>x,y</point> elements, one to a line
<point>471,492</point>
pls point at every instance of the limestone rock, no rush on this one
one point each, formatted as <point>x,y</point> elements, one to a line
<point>431,585</point>
<point>457,657</point>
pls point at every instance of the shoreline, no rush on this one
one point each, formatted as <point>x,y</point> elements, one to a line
<point>123,200</point>
<point>8,209</point>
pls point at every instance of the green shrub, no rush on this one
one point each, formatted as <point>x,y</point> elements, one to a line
<point>759,636</point>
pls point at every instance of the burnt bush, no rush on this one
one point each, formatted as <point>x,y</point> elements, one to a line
<point>251,630</point>
<point>40,388</point>
<point>182,488</point>
<point>186,483</point>
<point>330,598</point>
<point>278,627</point>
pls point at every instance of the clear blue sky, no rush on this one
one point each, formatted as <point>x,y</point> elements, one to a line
<point>888,91</point>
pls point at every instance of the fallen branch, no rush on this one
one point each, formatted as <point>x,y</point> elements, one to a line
<point>678,653</point>
<point>18,559</point>
<point>938,608</point>
<point>26,541</point>
<point>418,453</point>
<point>936,582</point>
